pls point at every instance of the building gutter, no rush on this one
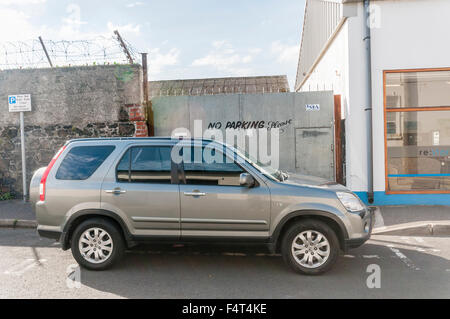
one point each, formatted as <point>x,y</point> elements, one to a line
<point>368,104</point>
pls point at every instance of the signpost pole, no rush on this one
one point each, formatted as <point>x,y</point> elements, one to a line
<point>21,103</point>
<point>24,165</point>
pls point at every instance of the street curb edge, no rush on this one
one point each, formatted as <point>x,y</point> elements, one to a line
<point>426,228</point>
<point>17,223</point>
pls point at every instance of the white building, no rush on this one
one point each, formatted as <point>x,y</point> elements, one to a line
<point>408,74</point>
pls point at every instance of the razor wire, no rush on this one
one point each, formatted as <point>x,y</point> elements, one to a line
<point>30,54</point>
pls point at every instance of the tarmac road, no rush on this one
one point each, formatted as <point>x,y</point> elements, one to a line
<point>410,267</point>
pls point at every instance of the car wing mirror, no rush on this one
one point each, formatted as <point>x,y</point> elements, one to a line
<point>246,180</point>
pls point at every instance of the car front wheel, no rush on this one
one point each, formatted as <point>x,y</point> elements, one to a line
<point>310,247</point>
<point>97,244</point>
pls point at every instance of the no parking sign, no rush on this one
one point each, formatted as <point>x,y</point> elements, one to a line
<point>21,103</point>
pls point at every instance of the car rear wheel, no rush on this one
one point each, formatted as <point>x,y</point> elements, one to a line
<point>310,247</point>
<point>97,244</point>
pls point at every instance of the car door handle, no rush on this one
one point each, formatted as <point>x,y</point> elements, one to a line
<point>194,194</point>
<point>115,191</point>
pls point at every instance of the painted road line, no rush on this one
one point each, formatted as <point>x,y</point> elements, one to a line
<point>408,262</point>
<point>234,254</point>
<point>371,256</point>
<point>422,249</point>
<point>24,266</point>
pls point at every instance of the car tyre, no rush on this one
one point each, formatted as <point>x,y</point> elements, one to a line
<point>310,240</point>
<point>97,244</point>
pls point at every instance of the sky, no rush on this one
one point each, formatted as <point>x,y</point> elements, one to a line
<point>184,39</point>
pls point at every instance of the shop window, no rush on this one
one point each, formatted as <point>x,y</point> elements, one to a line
<point>417,89</point>
<point>417,131</point>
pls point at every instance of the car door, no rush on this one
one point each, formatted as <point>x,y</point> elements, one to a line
<point>214,204</point>
<point>141,188</point>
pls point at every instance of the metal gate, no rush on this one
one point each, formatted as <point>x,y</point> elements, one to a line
<point>305,120</point>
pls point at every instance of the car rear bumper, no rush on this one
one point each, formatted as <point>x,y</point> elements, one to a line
<point>56,235</point>
<point>49,234</point>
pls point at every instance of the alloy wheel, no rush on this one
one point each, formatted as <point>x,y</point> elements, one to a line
<point>95,245</point>
<point>310,249</point>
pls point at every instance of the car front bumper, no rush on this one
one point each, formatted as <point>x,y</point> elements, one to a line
<point>368,221</point>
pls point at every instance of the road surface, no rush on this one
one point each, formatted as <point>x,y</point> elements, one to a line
<point>408,267</point>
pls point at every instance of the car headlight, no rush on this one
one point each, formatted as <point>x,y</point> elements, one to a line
<point>351,202</point>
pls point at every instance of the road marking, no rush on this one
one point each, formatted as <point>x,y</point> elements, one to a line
<point>405,239</point>
<point>371,256</point>
<point>234,254</point>
<point>349,256</point>
<point>24,266</point>
<point>408,240</point>
<point>403,258</point>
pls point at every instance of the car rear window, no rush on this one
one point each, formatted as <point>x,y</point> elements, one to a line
<point>82,161</point>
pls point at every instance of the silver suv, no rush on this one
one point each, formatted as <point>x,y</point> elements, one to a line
<point>102,196</point>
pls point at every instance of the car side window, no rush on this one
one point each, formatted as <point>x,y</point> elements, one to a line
<point>214,168</point>
<point>82,161</point>
<point>145,164</point>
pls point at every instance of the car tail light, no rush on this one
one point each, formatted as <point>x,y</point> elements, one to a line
<point>47,171</point>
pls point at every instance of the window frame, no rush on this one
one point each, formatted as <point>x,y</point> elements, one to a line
<point>173,179</point>
<point>244,169</point>
<point>404,110</point>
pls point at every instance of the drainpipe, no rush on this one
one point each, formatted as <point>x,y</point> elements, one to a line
<point>368,104</point>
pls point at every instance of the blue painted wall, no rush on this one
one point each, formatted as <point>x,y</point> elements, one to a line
<point>382,199</point>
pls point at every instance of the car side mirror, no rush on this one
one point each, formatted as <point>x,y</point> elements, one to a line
<point>246,180</point>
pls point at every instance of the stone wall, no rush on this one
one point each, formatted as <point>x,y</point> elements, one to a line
<point>67,103</point>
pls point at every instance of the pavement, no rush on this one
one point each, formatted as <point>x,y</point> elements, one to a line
<point>16,209</point>
<point>394,215</point>
<point>412,220</point>
<point>385,267</point>
<point>17,214</point>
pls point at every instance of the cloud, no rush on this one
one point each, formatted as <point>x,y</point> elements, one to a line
<point>225,58</point>
<point>14,15</point>
<point>218,60</point>
<point>157,60</point>
<point>72,22</point>
<point>133,4</point>
<point>219,44</point>
<point>20,2</point>
<point>12,19</point>
<point>285,53</point>
<point>255,51</point>
<point>123,29</point>
<point>71,27</point>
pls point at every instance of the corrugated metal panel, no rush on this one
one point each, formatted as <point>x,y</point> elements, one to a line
<point>230,85</point>
<point>320,21</point>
